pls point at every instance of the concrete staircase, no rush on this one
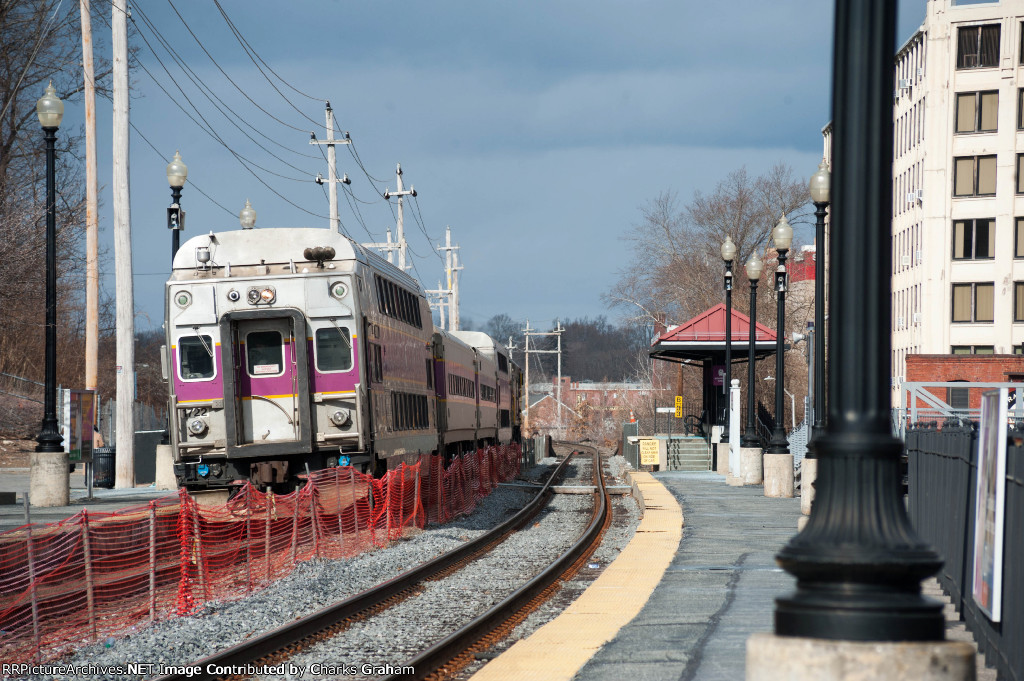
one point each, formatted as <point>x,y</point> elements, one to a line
<point>689,453</point>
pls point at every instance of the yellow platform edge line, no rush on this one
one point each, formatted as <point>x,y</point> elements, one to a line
<point>559,649</point>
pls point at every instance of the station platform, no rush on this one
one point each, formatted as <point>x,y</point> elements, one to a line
<point>713,549</point>
<point>16,480</point>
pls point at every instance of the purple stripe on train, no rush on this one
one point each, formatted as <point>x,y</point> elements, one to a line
<point>188,391</point>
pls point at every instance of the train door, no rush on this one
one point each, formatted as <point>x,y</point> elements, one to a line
<point>269,389</point>
<point>267,377</point>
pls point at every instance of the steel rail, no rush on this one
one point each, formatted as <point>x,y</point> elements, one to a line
<point>269,646</point>
<point>430,663</point>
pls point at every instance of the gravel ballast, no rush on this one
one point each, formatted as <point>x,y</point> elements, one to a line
<point>397,634</point>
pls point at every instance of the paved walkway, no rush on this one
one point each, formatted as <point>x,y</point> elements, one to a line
<point>719,588</point>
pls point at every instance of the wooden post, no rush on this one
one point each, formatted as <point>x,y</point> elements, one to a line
<point>198,539</point>
<point>125,298</point>
<point>271,508</point>
<point>152,561</point>
<point>355,503</point>
<point>92,278</point>
<point>295,527</point>
<point>248,541</point>
<point>30,551</point>
<point>89,585</point>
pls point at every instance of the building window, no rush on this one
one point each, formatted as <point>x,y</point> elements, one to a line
<point>974,176</point>
<point>973,350</point>
<point>1018,301</point>
<point>973,302</point>
<point>974,239</point>
<point>1020,173</point>
<point>958,398</point>
<point>976,111</point>
<point>1020,108</point>
<point>1018,238</point>
<point>977,47</point>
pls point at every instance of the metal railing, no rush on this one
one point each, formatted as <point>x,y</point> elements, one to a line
<point>943,477</point>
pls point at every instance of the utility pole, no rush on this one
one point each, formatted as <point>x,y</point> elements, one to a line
<point>438,301</point>
<point>451,268</point>
<point>92,277</point>
<point>526,361</point>
<point>387,248</point>
<point>400,192</point>
<point>527,332</point>
<point>332,167</point>
<point>125,299</point>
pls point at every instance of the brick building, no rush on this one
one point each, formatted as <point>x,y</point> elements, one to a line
<point>966,368</point>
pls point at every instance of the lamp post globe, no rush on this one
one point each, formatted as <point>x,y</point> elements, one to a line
<point>177,173</point>
<point>754,267</point>
<point>728,255</point>
<point>247,216</point>
<point>782,235</point>
<point>821,193</point>
<point>50,110</point>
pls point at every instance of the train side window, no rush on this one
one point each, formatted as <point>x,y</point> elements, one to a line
<point>264,353</point>
<point>333,349</point>
<point>195,358</point>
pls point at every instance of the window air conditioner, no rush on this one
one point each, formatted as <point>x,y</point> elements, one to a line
<point>920,72</point>
<point>911,197</point>
<point>917,317</point>
<point>919,256</point>
<point>920,194</point>
<point>905,260</point>
<point>899,322</point>
<point>904,83</point>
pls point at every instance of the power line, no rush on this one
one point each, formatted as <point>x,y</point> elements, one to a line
<point>237,87</point>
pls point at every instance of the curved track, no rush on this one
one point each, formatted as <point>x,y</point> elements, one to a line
<point>448,656</point>
<point>279,644</point>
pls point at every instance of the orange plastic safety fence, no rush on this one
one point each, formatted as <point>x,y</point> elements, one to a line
<point>95,574</point>
<point>86,577</point>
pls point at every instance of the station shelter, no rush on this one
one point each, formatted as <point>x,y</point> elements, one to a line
<point>701,342</point>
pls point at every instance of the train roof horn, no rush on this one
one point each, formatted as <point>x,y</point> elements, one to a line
<point>319,254</point>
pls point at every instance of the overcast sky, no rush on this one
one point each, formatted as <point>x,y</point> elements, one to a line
<point>536,129</point>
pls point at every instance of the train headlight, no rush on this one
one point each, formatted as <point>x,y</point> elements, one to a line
<point>268,295</point>
<point>197,426</point>
<point>253,296</point>
<point>338,290</point>
<point>341,417</point>
<point>183,299</point>
<point>234,295</point>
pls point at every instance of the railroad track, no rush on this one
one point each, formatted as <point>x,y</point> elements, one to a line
<point>272,649</point>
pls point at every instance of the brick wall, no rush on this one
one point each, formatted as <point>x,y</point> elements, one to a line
<point>971,368</point>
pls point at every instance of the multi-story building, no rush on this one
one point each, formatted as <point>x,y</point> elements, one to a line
<point>958,186</point>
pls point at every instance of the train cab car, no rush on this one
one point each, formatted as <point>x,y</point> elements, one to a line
<point>290,349</point>
<point>456,389</point>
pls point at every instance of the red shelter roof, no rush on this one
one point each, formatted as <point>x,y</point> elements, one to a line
<point>703,338</point>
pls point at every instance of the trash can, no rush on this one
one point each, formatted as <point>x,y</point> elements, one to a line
<point>103,467</point>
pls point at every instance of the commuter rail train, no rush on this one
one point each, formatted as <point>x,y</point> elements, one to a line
<point>296,349</point>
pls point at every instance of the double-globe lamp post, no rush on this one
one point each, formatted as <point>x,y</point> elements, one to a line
<point>177,173</point>
<point>783,237</point>
<point>728,254</point>
<point>754,267</point>
<point>50,110</point>
<point>820,187</point>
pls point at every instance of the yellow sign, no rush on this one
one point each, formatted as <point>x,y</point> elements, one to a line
<point>648,452</point>
<point>679,401</point>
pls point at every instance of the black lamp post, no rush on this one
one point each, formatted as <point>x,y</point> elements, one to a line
<point>858,562</point>
<point>783,237</point>
<point>50,110</point>
<point>177,173</point>
<point>728,253</point>
<point>820,186</point>
<point>753,267</point>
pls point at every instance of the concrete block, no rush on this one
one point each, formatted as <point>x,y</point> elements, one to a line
<point>751,465</point>
<point>785,658</point>
<point>733,481</point>
<point>165,468</point>
<point>801,523</point>
<point>808,474</point>
<point>49,483</point>
<point>213,497</point>
<point>723,459</point>
<point>778,476</point>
